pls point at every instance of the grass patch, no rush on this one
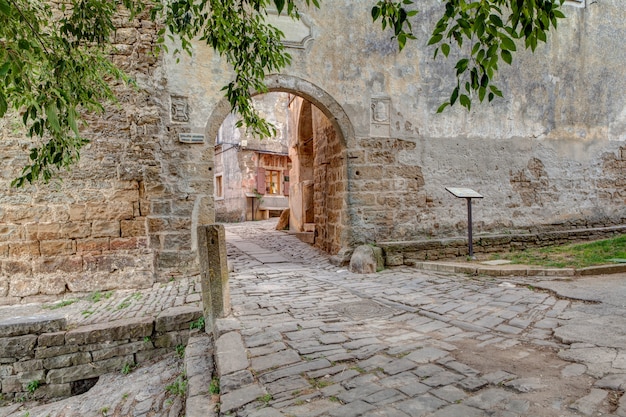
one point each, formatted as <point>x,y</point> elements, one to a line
<point>578,255</point>
<point>59,304</point>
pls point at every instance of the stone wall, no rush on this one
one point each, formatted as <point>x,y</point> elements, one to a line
<point>57,362</point>
<point>122,218</point>
<point>411,252</point>
<point>549,156</point>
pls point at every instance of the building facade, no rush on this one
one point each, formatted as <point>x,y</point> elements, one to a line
<point>370,156</point>
<point>252,174</point>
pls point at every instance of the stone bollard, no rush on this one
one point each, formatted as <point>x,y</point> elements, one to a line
<point>214,274</point>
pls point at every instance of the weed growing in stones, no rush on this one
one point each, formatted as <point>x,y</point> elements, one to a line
<point>128,368</point>
<point>33,385</point>
<point>180,351</point>
<point>214,387</point>
<point>198,324</point>
<point>265,399</point>
<point>178,387</point>
<point>60,304</point>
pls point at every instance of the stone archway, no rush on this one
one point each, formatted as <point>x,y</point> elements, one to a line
<point>328,173</point>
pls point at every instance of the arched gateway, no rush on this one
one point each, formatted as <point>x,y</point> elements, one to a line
<point>319,132</point>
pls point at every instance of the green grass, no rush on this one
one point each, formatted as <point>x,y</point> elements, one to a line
<point>59,304</point>
<point>577,255</point>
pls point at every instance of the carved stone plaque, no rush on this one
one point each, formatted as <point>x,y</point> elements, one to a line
<point>180,109</point>
<point>380,117</point>
<point>297,32</point>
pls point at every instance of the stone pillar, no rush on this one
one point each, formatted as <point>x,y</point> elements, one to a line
<point>214,273</point>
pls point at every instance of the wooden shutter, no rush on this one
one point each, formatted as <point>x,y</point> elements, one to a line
<point>286,182</point>
<point>260,180</point>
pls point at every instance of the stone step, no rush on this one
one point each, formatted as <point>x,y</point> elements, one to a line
<point>306,237</point>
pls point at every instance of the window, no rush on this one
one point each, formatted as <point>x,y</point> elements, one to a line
<point>219,190</point>
<point>272,182</point>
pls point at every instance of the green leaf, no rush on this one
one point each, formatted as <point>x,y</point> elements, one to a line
<point>4,69</point>
<point>445,49</point>
<point>507,43</point>
<point>5,8</point>
<point>435,38</point>
<point>495,90</point>
<point>443,107</point>
<point>3,104</point>
<point>506,56</point>
<point>454,96</point>
<point>53,117</point>
<point>496,20</point>
<point>465,101</point>
<point>481,93</point>
<point>375,13</point>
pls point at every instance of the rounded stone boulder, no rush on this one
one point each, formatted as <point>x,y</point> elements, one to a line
<point>367,259</point>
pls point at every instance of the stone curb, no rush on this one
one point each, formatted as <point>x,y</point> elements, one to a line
<point>519,270</point>
<point>199,369</point>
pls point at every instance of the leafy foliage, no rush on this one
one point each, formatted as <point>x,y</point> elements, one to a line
<point>489,29</point>
<point>55,66</point>
<point>51,69</point>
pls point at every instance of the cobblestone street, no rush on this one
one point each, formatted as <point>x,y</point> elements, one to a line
<point>315,339</point>
<point>306,338</point>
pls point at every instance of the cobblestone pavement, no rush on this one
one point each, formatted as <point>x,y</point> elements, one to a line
<point>307,338</point>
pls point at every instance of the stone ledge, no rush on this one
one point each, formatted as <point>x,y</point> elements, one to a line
<point>413,252</point>
<point>59,358</point>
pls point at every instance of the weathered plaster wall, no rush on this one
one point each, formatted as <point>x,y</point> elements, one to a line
<point>238,161</point>
<point>549,155</point>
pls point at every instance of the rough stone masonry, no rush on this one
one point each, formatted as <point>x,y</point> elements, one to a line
<point>551,155</point>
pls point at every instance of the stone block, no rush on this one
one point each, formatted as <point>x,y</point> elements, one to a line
<point>146,355</point>
<point>133,328</point>
<point>176,241</point>
<point>65,361</point>
<point>88,370</point>
<point>171,339</point>
<point>124,195</point>
<point>120,210</point>
<point>366,259</point>
<point>11,384</point>
<point>57,247</point>
<point>49,352</point>
<point>161,207</point>
<point>33,325</point>
<point>23,285</point>
<point>101,281</point>
<point>134,227</point>
<point>28,248</point>
<point>28,365</point>
<point>158,224</point>
<point>121,350</point>
<point>121,243</point>
<point>92,244</point>
<point>75,230</point>
<point>51,339</point>
<point>55,390</point>
<point>16,267</point>
<point>18,346</point>
<point>108,263</point>
<point>177,318</point>
<point>10,232</point>
<point>42,231</point>
<point>77,212</point>
<point>101,228</point>
<point>58,264</point>
<point>230,353</point>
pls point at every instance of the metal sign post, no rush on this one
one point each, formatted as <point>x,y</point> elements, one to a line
<point>468,194</point>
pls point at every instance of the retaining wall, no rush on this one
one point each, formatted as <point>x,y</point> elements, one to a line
<point>46,353</point>
<point>408,253</point>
